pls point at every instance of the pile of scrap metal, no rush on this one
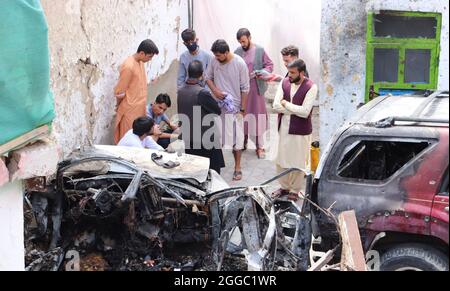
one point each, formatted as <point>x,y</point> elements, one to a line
<point>119,211</point>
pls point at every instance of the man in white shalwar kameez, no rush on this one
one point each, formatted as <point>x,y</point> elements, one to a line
<point>294,102</point>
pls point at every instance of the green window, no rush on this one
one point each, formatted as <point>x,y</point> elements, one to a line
<point>402,51</point>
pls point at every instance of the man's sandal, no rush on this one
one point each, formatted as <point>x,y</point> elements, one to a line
<point>237,176</point>
<point>261,153</point>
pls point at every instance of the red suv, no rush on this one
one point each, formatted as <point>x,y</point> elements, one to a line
<point>390,164</point>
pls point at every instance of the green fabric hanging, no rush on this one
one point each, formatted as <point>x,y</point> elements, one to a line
<point>26,101</point>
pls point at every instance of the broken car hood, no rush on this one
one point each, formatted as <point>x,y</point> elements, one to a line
<point>191,167</point>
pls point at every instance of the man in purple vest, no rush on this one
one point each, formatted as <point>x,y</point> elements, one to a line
<point>294,102</point>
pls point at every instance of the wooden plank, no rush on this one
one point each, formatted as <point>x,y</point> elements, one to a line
<point>24,139</point>
<point>322,262</point>
<point>352,257</point>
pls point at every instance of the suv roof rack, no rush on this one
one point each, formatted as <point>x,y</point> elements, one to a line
<point>415,116</point>
<point>428,101</point>
<point>390,121</point>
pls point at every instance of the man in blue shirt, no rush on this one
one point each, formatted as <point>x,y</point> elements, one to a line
<point>194,53</point>
<point>156,111</point>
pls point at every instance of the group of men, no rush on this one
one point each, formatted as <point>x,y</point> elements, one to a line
<point>221,97</point>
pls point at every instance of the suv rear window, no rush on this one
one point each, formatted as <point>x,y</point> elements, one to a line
<point>377,160</point>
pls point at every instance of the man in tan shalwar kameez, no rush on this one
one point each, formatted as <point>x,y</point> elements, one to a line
<point>131,90</point>
<point>294,102</point>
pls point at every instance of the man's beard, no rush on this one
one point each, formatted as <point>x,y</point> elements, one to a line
<point>298,79</point>
<point>246,48</point>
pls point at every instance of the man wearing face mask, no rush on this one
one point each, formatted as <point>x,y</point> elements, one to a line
<point>294,102</point>
<point>194,53</point>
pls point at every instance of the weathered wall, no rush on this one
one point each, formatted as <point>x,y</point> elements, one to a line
<point>12,253</point>
<point>343,54</point>
<point>89,39</point>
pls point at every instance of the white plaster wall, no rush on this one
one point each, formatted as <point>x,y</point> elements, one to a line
<point>343,54</point>
<point>274,24</point>
<point>342,63</point>
<point>12,248</point>
<point>88,40</point>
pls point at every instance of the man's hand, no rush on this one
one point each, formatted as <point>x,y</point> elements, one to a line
<point>174,127</point>
<point>218,94</point>
<point>157,131</point>
<point>283,103</point>
<point>278,78</point>
<point>119,99</point>
<point>260,74</point>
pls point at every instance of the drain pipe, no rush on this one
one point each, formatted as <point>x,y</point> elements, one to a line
<point>191,14</point>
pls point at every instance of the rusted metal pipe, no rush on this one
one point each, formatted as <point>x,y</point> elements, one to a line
<point>188,202</point>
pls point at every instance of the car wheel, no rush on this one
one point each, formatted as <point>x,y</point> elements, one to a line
<point>413,257</point>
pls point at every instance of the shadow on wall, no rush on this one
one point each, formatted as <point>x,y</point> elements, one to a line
<point>166,83</point>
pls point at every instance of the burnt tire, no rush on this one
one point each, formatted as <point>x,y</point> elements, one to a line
<point>413,257</point>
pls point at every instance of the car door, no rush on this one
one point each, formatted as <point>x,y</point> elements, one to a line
<point>440,212</point>
<point>373,176</point>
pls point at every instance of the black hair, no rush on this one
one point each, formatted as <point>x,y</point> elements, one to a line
<point>290,51</point>
<point>148,47</point>
<point>299,64</point>
<point>164,99</point>
<point>243,32</point>
<point>220,46</point>
<point>143,125</point>
<point>195,69</point>
<point>188,35</point>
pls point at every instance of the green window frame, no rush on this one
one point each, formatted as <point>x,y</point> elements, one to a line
<point>402,45</point>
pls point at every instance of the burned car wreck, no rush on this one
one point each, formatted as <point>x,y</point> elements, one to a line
<point>116,209</point>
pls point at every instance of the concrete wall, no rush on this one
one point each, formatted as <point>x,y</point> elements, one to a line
<point>12,253</point>
<point>89,39</point>
<point>343,54</point>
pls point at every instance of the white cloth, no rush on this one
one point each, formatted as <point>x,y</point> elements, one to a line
<point>294,150</point>
<point>293,182</point>
<point>133,141</point>
<point>232,131</point>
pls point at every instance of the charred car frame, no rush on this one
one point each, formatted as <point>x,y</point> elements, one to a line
<point>122,217</point>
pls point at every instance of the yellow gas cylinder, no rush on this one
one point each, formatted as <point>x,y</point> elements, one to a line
<point>315,155</point>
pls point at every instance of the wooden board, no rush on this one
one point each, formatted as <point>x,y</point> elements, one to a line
<point>352,256</point>
<point>322,261</point>
<point>24,139</point>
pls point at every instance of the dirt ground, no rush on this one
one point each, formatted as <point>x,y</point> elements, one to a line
<point>257,171</point>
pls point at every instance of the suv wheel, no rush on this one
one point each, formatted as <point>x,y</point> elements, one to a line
<point>414,257</point>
